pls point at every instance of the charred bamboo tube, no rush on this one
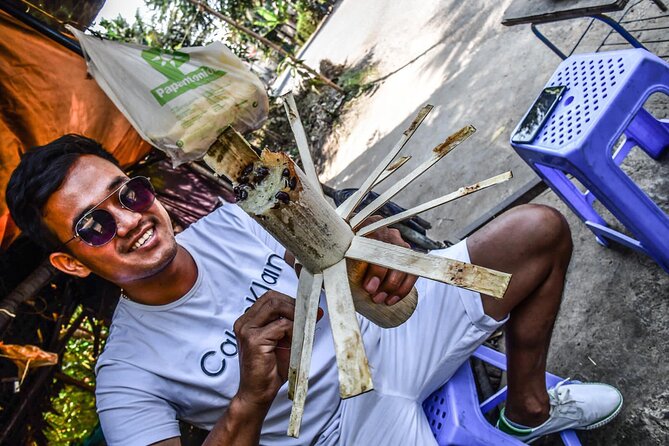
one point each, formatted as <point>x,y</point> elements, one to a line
<point>300,218</point>
<point>276,193</point>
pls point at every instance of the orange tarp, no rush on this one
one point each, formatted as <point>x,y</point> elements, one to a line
<point>45,92</point>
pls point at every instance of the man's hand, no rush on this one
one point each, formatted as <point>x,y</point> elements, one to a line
<point>386,285</point>
<point>263,333</point>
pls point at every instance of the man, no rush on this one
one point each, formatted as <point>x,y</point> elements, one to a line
<point>201,331</point>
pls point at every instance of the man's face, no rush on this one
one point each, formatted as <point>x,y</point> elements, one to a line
<point>120,261</point>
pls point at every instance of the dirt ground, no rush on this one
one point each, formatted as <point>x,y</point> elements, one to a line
<point>613,324</point>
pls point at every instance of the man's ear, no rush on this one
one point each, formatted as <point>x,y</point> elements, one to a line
<point>68,264</point>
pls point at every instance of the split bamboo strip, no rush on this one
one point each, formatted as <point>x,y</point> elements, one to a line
<point>392,169</point>
<point>453,272</point>
<point>354,374</point>
<point>348,206</point>
<point>305,286</point>
<point>461,192</point>
<point>301,140</point>
<point>306,310</point>
<point>438,153</point>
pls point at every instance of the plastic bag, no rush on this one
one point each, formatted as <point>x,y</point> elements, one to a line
<point>178,101</point>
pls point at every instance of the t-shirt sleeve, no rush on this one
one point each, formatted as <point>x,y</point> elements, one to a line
<point>130,412</point>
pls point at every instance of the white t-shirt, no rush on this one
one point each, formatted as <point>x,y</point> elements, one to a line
<point>179,361</point>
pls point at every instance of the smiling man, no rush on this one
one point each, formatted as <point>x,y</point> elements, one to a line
<point>201,330</point>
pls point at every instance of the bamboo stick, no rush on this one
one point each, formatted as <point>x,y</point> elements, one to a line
<point>306,312</point>
<point>453,272</point>
<point>352,202</point>
<point>354,374</point>
<point>438,153</point>
<point>301,140</point>
<point>461,192</point>
<point>391,169</point>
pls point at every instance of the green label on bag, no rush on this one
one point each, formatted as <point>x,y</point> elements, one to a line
<point>168,63</point>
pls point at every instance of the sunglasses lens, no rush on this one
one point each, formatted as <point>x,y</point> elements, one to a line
<point>97,228</point>
<point>137,195</point>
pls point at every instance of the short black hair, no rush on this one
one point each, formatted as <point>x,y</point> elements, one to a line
<point>39,174</point>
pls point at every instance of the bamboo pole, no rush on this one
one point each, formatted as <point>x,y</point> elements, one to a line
<point>306,225</point>
<point>381,315</point>
<point>283,201</point>
<point>277,194</point>
<point>267,42</point>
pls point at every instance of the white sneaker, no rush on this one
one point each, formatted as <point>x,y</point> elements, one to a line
<point>582,406</point>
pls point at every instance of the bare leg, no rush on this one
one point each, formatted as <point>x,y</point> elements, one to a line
<point>533,243</point>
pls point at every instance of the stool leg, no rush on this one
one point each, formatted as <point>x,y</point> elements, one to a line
<point>620,155</point>
<point>651,134</point>
<point>579,203</point>
<point>634,209</point>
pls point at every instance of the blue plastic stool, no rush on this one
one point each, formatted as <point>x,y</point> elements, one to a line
<point>603,101</point>
<point>456,416</point>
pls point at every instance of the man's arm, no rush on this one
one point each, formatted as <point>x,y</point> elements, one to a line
<point>263,370</point>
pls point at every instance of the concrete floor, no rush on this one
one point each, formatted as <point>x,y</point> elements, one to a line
<point>456,55</point>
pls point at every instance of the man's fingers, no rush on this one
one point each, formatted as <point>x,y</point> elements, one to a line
<point>270,307</point>
<point>273,332</point>
<point>390,286</point>
<point>373,278</point>
<point>403,290</point>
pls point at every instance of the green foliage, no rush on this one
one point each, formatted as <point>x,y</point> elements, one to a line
<point>173,24</point>
<point>355,80</point>
<point>272,16</point>
<point>179,23</point>
<point>138,32</point>
<point>306,25</point>
<point>74,416</point>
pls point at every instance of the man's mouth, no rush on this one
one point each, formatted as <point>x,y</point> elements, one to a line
<point>142,240</point>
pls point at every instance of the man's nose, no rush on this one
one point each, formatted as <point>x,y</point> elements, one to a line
<point>126,220</point>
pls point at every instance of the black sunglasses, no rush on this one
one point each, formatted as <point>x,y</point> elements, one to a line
<point>97,227</point>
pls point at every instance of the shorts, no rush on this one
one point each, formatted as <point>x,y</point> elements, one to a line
<point>413,360</point>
